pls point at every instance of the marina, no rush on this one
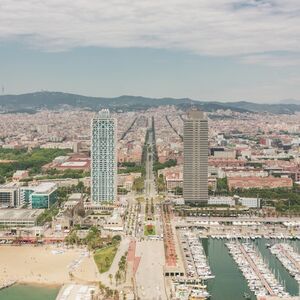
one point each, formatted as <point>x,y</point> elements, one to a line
<point>196,268</point>
<point>289,258</point>
<point>263,273</point>
<point>282,274</point>
<point>228,283</point>
<point>196,260</point>
<point>259,277</point>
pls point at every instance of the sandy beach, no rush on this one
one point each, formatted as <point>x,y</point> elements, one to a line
<point>46,265</point>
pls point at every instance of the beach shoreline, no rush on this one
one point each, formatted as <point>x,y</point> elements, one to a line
<point>36,284</point>
<point>48,266</point>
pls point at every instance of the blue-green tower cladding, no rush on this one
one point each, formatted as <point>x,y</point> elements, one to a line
<point>43,195</point>
<point>103,157</point>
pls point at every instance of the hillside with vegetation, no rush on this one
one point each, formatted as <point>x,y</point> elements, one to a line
<point>32,102</point>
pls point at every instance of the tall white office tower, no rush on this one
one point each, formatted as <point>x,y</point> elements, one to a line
<point>103,157</point>
<point>195,168</point>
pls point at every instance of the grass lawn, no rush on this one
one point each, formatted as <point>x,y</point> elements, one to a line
<point>149,232</point>
<point>104,257</point>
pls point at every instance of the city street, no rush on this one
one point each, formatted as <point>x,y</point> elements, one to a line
<point>150,190</point>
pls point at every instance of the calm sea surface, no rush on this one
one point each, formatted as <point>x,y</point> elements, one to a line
<point>28,292</point>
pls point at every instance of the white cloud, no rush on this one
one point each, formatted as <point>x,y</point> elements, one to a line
<point>272,60</point>
<point>207,27</point>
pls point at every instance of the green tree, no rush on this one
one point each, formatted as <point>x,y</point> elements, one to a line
<point>2,180</point>
<point>72,238</point>
<point>222,186</point>
<point>107,262</point>
<point>110,278</point>
<point>161,184</point>
<point>169,163</point>
<point>118,277</point>
<point>138,184</point>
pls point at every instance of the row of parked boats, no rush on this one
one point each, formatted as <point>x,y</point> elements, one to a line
<point>254,237</point>
<point>196,265</point>
<point>195,257</point>
<point>261,280</point>
<point>289,258</point>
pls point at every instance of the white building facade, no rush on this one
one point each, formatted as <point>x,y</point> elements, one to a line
<point>103,157</point>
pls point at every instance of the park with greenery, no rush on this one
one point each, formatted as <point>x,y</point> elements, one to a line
<point>58,174</point>
<point>139,184</point>
<point>161,183</point>
<point>104,257</point>
<point>12,160</point>
<point>159,166</point>
<point>68,173</point>
<point>47,215</point>
<point>104,249</point>
<point>149,230</point>
<point>131,167</point>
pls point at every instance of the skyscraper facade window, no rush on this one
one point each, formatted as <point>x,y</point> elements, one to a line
<point>103,157</point>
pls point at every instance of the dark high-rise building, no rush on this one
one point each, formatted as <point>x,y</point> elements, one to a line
<point>195,169</point>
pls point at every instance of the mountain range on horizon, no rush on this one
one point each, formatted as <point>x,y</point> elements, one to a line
<point>289,101</point>
<point>31,102</point>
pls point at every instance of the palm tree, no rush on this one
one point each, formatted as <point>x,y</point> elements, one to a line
<point>92,294</point>
<point>110,278</point>
<point>107,261</point>
<point>71,275</point>
<point>117,277</point>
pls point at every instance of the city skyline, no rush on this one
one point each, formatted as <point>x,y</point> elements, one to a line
<point>150,149</point>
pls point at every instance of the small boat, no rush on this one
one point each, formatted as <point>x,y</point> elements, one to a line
<point>247,296</point>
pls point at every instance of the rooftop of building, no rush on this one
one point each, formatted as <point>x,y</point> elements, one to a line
<point>195,114</point>
<point>75,197</point>
<point>44,187</point>
<point>75,291</point>
<point>20,172</point>
<point>70,203</point>
<point>103,114</point>
<point>62,157</point>
<point>9,185</point>
<point>74,164</point>
<point>17,214</point>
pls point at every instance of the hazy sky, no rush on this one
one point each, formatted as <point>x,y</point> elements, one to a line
<point>202,49</point>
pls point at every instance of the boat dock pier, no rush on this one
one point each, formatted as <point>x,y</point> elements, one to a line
<point>261,280</point>
<point>257,272</point>
<point>289,258</point>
